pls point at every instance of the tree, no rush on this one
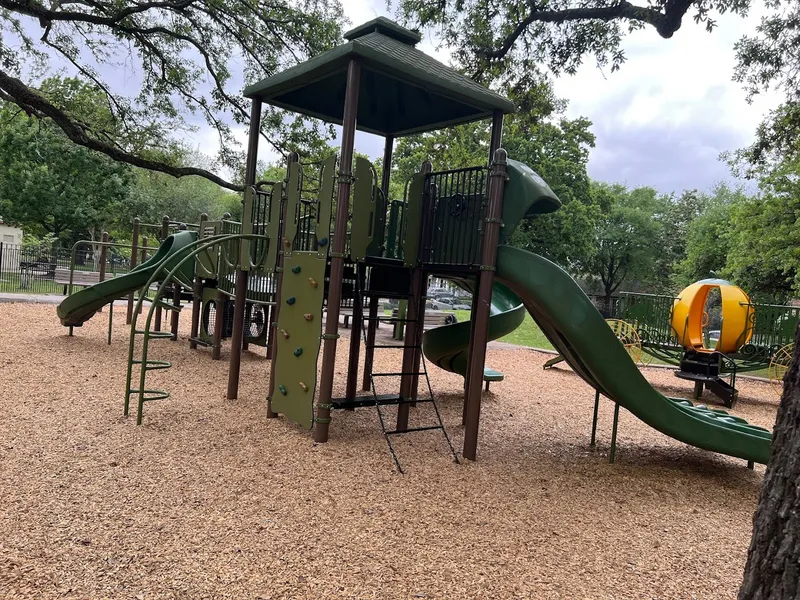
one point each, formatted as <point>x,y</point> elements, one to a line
<point>626,237</point>
<point>185,53</point>
<point>764,254</point>
<point>50,185</point>
<point>771,571</point>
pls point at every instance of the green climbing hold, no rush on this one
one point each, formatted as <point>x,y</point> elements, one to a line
<point>291,300</point>
<point>323,242</point>
<point>282,389</point>
<point>296,269</point>
<point>298,351</point>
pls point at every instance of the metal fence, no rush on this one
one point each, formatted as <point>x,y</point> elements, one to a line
<point>27,270</point>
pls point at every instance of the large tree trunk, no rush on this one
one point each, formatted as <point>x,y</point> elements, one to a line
<point>773,561</point>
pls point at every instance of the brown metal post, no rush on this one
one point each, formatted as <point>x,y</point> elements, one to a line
<point>134,257</point>
<point>417,343</point>
<point>494,144</point>
<point>479,339</point>
<point>355,333</point>
<point>163,235</point>
<point>242,275</point>
<point>197,295</point>
<point>103,258</point>
<point>143,251</point>
<point>173,318</point>
<point>337,252</point>
<point>275,312</point>
<point>412,330</point>
<point>372,323</point>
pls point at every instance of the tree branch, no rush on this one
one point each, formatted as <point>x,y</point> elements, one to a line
<point>666,23</point>
<point>17,92</point>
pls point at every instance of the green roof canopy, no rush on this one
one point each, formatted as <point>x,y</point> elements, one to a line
<point>403,90</point>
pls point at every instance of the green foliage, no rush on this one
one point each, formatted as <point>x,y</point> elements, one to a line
<point>626,237</point>
<point>191,58</point>
<point>50,185</point>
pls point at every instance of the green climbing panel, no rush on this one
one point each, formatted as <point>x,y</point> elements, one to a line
<point>298,333</point>
<point>412,220</point>
<point>207,261</point>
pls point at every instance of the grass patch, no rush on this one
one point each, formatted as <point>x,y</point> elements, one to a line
<point>528,334</point>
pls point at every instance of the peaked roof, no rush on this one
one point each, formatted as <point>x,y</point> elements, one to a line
<point>403,90</point>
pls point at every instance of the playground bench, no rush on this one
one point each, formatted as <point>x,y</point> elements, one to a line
<point>79,278</point>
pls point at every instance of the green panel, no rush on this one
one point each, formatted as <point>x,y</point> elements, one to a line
<point>209,295</point>
<point>379,228</point>
<point>207,261</point>
<point>273,229</point>
<point>324,206</point>
<point>292,208</point>
<point>395,225</point>
<point>525,194</point>
<point>247,227</point>
<point>412,220</point>
<point>299,337</point>
<point>363,209</point>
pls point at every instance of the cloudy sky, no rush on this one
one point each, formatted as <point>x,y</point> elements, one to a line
<point>664,118</point>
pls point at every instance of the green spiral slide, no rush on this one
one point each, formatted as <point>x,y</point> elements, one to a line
<point>526,281</point>
<point>79,307</point>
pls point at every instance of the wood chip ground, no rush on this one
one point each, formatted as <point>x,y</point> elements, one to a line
<point>209,499</point>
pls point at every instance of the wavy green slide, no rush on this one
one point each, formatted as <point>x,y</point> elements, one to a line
<point>526,281</point>
<point>79,307</point>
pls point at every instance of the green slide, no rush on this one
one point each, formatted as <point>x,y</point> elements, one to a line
<point>526,281</point>
<point>79,307</point>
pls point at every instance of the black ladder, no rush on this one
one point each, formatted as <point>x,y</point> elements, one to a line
<point>384,399</point>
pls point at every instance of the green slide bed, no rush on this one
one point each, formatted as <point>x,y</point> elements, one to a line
<point>526,281</point>
<point>79,307</point>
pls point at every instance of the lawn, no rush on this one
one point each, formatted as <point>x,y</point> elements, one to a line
<point>528,334</point>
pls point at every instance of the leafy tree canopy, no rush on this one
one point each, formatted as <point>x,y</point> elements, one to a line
<point>192,58</point>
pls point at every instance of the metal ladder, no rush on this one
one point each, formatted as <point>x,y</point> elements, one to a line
<point>392,400</point>
<point>145,365</point>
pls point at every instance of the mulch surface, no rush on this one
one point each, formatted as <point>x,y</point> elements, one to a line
<point>209,499</point>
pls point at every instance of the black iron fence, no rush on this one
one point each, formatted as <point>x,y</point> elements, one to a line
<point>32,270</point>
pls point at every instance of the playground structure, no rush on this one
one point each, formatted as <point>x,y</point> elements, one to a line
<point>329,234</point>
<point>751,334</point>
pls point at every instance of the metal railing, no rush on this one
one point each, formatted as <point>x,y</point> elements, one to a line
<point>41,270</point>
<point>455,207</point>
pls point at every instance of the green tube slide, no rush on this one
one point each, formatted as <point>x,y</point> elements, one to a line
<point>80,306</point>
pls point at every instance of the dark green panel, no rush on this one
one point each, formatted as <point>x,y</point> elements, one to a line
<point>273,228</point>
<point>207,261</point>
<point>363,209</point>
<point>412,220</point>
<point>292,207</point>
<point>325,205</point>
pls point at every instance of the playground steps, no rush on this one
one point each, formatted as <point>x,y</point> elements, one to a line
<point>704,369</point>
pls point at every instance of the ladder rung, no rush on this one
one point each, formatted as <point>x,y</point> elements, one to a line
<point>410,429</point>
<point>154,365</point>
<point>418,373</point>
<point>155,334</point>
<point>154,394</point>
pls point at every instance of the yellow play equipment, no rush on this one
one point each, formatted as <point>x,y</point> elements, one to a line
<point>689,316</point>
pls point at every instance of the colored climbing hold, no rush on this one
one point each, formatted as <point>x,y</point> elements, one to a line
<point>308,317</point>
<point>285,334</point>
<point>290,300</point>
<point>298,351</point>
<point>322,242</point>
<point>282,389</point>
<point>296,269</point>
<point>303,386</point>
<point>313,282</point>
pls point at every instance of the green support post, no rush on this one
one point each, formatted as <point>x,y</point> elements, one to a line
<point>593,441</point>
<point>613,452</point>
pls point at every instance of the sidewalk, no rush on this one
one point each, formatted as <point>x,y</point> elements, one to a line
<point>32,298</point>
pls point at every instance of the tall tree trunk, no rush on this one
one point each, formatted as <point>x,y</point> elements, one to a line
<point>773,561</point>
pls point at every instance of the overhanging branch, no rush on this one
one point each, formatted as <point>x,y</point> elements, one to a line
<point>13,90</point>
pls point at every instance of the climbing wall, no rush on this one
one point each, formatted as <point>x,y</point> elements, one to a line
<point>299,335</point>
